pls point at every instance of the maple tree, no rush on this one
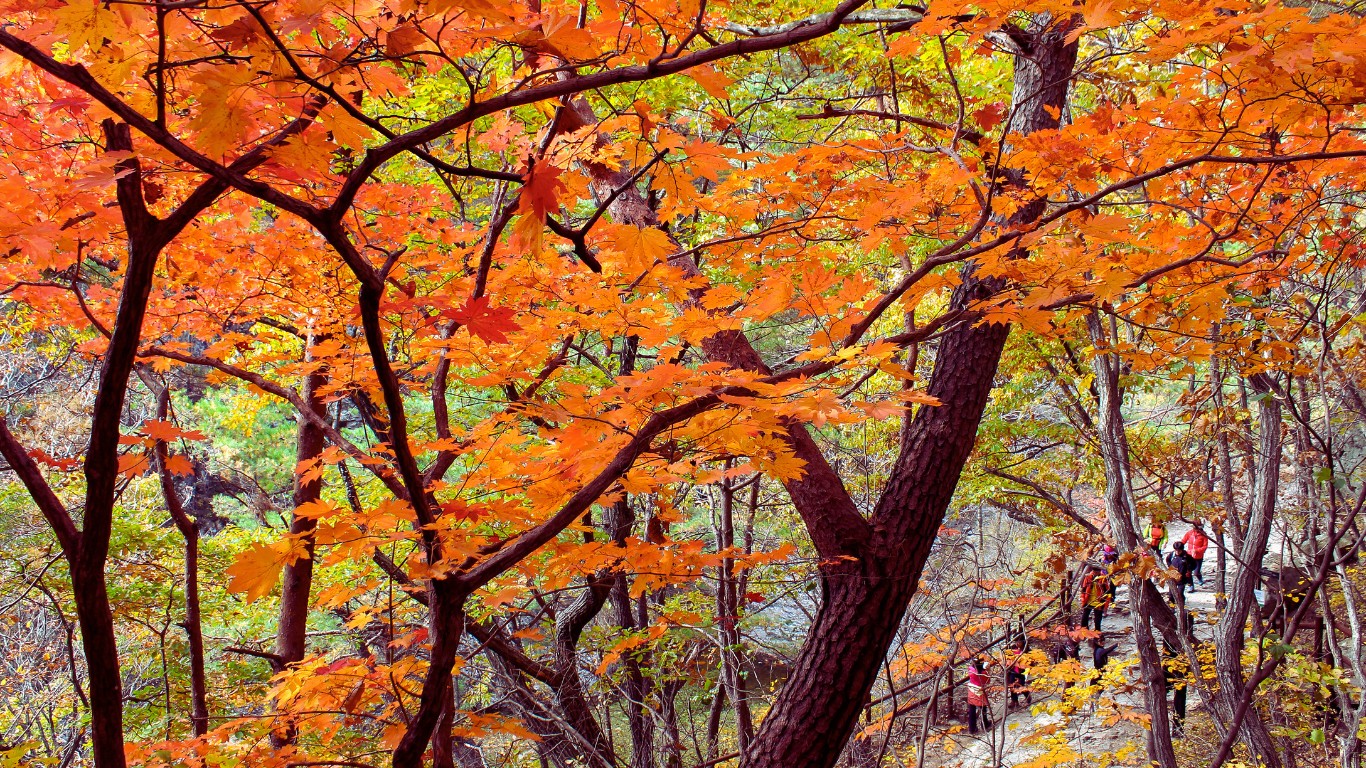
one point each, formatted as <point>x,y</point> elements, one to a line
<point>477,309</point>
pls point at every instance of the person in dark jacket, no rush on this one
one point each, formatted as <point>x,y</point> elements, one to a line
<point>1101,653</point>
<point>1181,561</point>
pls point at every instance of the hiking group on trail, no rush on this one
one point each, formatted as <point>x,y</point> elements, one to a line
<point>1096,594</point>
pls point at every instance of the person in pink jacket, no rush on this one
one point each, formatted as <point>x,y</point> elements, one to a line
<point>1197,542</point>
<point>978,703</point>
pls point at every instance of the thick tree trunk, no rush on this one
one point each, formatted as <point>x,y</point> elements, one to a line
<point>865,598</point>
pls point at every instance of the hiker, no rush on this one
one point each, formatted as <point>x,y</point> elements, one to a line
<point>1157,535</point>
<point>1197,541</point>
<point>1184,565</point>
<point>1174,680</point>
<point>977,696</point>
<point>1109,555</point>
<point>1017,681</point>
<point>1096,594</point>
<point>1100,653</point>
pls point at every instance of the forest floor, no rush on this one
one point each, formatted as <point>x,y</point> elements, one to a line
<point>1024,734</point>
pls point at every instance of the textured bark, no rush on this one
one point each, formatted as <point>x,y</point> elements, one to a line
<point>635,686</point>
<point>567,686</point>
<point>555,742</point>
<point>864,598</point>
<point>668,713</point>
<point>1232,527</point>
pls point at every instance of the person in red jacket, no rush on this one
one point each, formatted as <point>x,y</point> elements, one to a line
<point>978,704</point>
<point>1197,542</point>
<point>1095,595</point>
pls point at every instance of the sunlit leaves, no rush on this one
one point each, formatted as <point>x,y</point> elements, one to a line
<point>87,24</point>
<point>256,570</point>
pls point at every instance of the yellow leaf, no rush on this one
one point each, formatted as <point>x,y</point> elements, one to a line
<point>713,82</point>
<point>308,153</point>
<point>221,119</point>
<point>256,570</point>
<point>346,130</point>
<point>87,24</point>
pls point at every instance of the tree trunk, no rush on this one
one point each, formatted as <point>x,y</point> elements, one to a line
<point>569,625</point>
<point>87,559</point>
<point>446,624</point>
<point>668,713</point>
<point>1120,508</point>
<point>297,579</point>
<point>635,686</point>
<point>865,598</point>
<point>1229,634</point>
<point>189,531</point>
<point>1231,522</point>
<point>728,614</point>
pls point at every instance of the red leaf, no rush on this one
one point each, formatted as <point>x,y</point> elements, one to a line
<point>179,465</point>
<point>488,323</point>
<point>165,431</point>
<point>990,116</point>
<point>541,192</point>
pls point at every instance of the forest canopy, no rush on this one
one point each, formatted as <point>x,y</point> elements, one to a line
<point>663,383</point>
